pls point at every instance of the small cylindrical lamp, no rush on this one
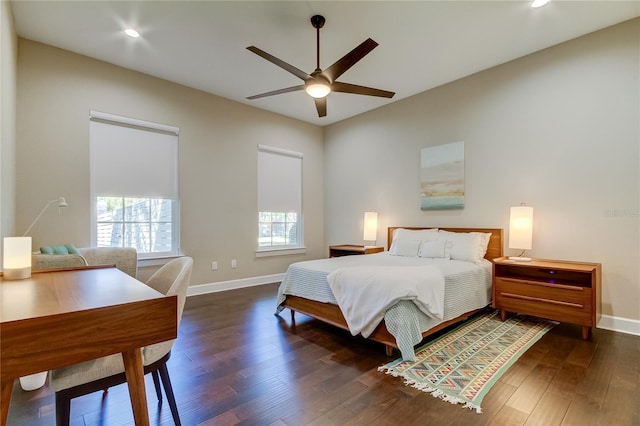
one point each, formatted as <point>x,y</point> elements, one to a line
<point>16,262</point>
<point>370,232</point>
<point>521,230</point>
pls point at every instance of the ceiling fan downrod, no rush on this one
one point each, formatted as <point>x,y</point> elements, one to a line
<point>318,22</point>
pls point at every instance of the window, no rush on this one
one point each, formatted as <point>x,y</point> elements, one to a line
<point>134,185</point>
<point>279,199</point>
<point>278,229</point>
<point>143,223</point>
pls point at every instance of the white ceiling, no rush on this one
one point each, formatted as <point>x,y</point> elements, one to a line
<point>202,44</point>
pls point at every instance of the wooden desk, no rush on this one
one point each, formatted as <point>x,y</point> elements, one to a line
<point>60,318</point>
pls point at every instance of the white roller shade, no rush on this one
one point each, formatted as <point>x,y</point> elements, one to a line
<point>133,159</point>
<point>279,180</point>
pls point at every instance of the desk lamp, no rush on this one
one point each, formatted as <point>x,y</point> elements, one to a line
<point>16,259</point>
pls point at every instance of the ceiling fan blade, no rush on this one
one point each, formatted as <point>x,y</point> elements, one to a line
<point>321,106</point>
<point>277,92</point>
<point>348,60</point>
<point>282,64</point>
<point>360,90</point>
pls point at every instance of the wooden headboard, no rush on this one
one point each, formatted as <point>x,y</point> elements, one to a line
<point>494,249</point>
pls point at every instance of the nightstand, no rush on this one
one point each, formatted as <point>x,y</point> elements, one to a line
<point>553,289</point>
<point>350,250</point>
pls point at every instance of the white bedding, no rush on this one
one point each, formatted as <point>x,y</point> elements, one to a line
<point>467,286</point>
<point>364,293</point>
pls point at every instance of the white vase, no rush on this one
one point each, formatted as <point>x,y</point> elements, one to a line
<point>33,381</point>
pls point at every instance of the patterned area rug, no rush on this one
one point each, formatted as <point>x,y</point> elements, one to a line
<point>461,366</point>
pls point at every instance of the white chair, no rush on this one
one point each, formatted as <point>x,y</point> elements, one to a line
<point>102,373</point>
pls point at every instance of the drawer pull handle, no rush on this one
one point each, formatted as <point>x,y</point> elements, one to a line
<point>538,299</point>
<point>540,283</point>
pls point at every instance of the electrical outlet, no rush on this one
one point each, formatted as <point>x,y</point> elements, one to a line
<point>214,266</point>
<point>234,263</point>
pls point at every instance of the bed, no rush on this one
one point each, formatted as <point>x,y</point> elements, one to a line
<point>465,271</point>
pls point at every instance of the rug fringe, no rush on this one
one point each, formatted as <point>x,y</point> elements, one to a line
<point>436,393</point>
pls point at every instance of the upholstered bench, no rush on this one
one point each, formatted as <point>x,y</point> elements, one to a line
<point>124,258</point>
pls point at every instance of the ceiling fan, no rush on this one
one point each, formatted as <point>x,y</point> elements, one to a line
<point>320,83</point>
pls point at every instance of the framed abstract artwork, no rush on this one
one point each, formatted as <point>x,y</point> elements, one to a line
<point>442,177</point>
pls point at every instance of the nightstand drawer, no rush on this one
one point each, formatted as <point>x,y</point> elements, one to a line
<point>543,290</point>
<point>553,301</point>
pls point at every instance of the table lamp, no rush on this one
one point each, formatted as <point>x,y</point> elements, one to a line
<point>16,254</point>
<point>521,231</point>
<point>61,203</point>
<point>16,263</point>
<point>370,232</point>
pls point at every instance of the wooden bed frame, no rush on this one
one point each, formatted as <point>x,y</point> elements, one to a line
<point>331,314</point>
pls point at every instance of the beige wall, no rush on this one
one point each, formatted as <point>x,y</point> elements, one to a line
<point>558,129</point>
<point>217,150</point>
<point>8,65</point>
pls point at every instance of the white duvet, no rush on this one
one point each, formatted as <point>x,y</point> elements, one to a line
<point>365,293</point>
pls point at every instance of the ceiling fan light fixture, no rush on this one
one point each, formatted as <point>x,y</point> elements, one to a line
<point>539,3</point>
<point>132,33</point>
<point>317,89</point>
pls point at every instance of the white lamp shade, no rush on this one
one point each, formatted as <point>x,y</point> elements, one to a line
<point>16,262</point>
<point>521,228</point>
<point>370,226</point>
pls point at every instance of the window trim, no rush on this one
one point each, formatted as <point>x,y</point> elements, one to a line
<point>268,252</point>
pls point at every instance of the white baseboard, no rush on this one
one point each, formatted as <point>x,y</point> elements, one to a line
<point>622,325</point>
<point>233,284</point>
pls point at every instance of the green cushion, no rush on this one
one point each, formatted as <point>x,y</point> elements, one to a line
<point>60,249</point>
<point>72,249</point>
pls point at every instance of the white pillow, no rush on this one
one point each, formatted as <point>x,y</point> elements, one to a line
<point>405,247</point>
<point>435,249</point>
<point>485,237</point>
<point>400,234</point>
<point>467,246</point>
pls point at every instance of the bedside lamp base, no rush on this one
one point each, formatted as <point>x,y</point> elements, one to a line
<point>520,259</point>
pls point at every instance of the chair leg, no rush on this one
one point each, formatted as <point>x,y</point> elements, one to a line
<point>63,409</point>
<point>168,389</point>
<point>156,383</point>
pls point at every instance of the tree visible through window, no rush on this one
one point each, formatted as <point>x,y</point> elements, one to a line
<point>143,223</point>
<point>278,229</point>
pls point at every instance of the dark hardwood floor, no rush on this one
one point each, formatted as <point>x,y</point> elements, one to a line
<point>237,363</point>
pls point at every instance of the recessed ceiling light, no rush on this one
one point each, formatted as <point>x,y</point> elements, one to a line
<point>132,33</point>
<point>539,3</point>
